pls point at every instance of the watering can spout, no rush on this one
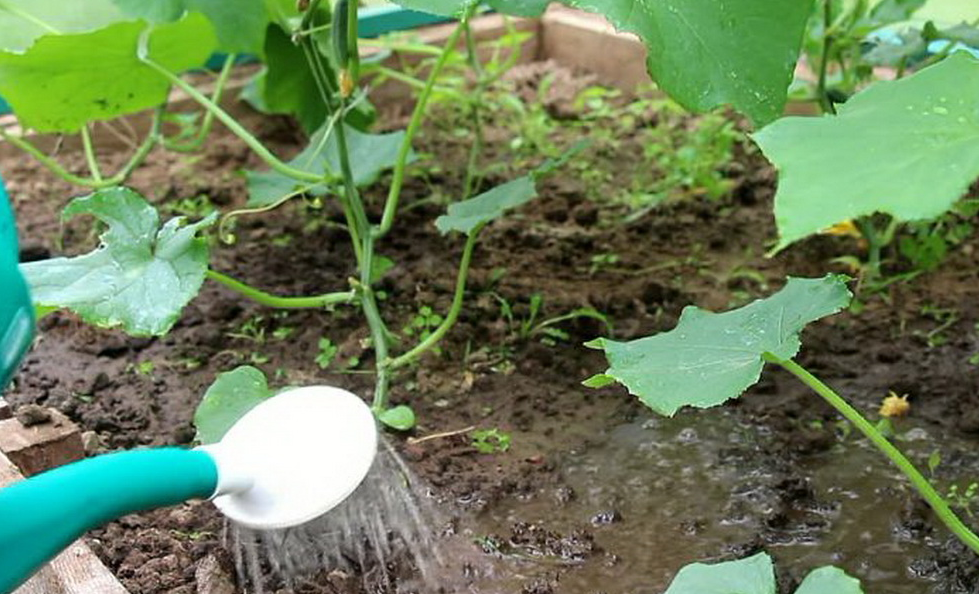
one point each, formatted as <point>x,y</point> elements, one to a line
<point>46,513</point>
<point>290,459</point>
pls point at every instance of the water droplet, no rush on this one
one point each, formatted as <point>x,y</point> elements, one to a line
<point>941,110</point>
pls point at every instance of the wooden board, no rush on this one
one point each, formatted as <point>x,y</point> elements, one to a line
<point>75,571</point>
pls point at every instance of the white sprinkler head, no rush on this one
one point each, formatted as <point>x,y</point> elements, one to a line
<point>294,457</point>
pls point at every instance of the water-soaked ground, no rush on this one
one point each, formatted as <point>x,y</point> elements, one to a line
<point>657,493</point>
<point>594,494</point>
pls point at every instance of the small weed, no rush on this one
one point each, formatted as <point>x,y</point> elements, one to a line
<point>327,353</point>
<point>422,324</point>
<point>602,262</point>
<point>490,441</point>
<point>142,368</point>
<point>964,499</point>
<point>252,330</point>
<point>283,332</point>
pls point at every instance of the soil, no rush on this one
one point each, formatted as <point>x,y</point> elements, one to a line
<point>142,391</point>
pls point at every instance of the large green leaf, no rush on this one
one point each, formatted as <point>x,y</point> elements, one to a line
<point>288,86</point>
<point>23,21</point>
<point>706,53</point>
<point>370,154</point>
<point>950,12</point>
<point>524,8</point>
<point>440,7</point>
<point>232,394</point>
<point>829,580</point>
<point>240,25</point>
<point>139,278</point>
<point>908,147</point>
<point>475,212</point>
<point>64,81</point>
<point>754,575</point>
<point>710,358</point>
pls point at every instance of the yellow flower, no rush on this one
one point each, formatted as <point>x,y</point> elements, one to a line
<point>895,406</point>
<point>846,227</point>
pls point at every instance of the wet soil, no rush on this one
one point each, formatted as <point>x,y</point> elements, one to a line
<point>595,494</point>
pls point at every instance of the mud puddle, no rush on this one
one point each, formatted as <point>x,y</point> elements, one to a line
<point>658,493</point>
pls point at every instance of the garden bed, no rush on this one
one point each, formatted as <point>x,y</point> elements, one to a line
<point>594,494</point>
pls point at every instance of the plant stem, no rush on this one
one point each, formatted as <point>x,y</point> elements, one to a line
<point>454,309</point>
<point>198,141</point>
<point>233,125</point>
<point>90,182</point>
<point>824,100</point>
<point>315,301</point>
<point>412,81</point>
<point>380,336</point>
<point>391,205</point>
<point>93,163</point>
<point>874,246</point>
<point>472,176</point>
<point>924,488</point>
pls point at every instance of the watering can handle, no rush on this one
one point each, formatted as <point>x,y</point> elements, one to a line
<point>42,515</point>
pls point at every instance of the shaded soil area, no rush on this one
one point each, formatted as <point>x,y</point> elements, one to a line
<point>915,338</point>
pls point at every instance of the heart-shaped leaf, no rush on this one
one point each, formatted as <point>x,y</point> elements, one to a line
<point>467,215</point>
<point>400,417</point>
<point>64,81</point>
<point>908,147</point>
<point>370,154</point>
<point>139,278</point>
<point>710,358</point>
<point>232,394</point>
<point>829,580</point>
<point>754,575</point>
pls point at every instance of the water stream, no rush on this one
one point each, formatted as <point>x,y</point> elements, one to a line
<point>387,522</point>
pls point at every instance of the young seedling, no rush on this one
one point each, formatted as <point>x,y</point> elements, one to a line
<point>490,441</point>
<point>711,358</point>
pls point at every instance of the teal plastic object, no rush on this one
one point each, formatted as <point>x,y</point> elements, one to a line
<point>16,312</point>
<point>42,515</point>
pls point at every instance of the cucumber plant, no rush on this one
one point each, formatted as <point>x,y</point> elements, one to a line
<point>711,358</point>
<point>144,273</point>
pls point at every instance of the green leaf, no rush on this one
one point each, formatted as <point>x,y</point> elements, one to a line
<point>710,358</point>
<point>894,11</point>
<point>738,52</point>
<point>470,214</point>
<point>706,53</point>
<point>64,81</point>
<point>599,380</point>
<point>949,11</point>
<point>289,86</point>
<point>23,21</point>
<point>240,25</point>
<point>380,265</point>
<point>909,148</point>
<point>232,394</point>
<point>754,575</point>
<point>400,417</point>
<point>829,580</point>
<point>370,154</point>
<point>446,8</point>
<point>139,278</point>
<point>523,8</point>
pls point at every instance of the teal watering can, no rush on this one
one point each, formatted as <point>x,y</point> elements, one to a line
<point>288,460</point>
<point>16,313</point>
